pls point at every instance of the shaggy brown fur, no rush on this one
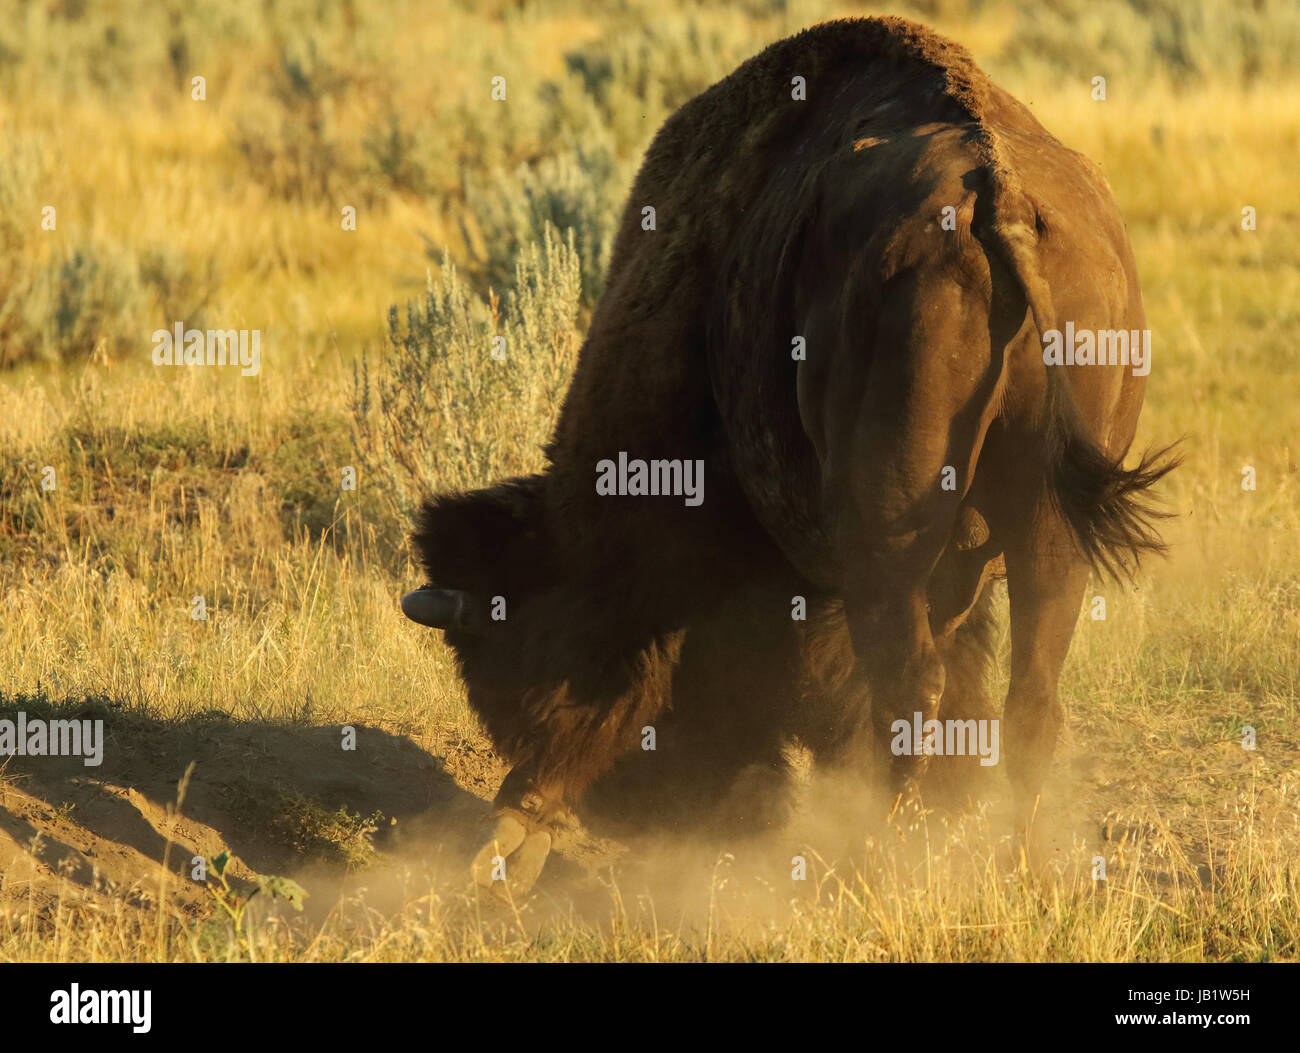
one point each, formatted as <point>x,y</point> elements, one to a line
<point>779,218</point>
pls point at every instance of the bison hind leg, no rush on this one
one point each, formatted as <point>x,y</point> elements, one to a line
<point>967,652</point>
<point>835,712</point>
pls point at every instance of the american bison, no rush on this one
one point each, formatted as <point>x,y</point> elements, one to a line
<point>861,249</point>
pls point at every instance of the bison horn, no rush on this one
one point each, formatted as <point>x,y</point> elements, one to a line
<point>440,608</point>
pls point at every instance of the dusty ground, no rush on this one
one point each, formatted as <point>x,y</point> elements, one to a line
<point>375,826</point>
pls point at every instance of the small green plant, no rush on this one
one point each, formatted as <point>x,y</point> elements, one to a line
<point>234,901</point>
<point>341,836</point>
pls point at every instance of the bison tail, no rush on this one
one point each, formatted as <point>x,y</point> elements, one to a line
<point>1104,504</point>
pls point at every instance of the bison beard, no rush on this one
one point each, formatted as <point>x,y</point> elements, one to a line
<point>822,219</point>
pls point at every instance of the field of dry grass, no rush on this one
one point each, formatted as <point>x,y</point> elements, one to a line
<point>476,217</point>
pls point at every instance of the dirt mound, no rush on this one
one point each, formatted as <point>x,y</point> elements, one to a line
<point>274,797</point>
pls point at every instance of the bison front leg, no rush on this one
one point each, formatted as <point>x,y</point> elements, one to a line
<point>559,740</point>
<point>524,818</point>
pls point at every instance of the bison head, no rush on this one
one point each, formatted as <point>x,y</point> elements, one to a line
<point>488,560</point>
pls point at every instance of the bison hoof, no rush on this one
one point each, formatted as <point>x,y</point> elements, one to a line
<point>513,857</point>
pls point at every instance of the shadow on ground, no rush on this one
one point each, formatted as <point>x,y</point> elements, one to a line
<point>275,796</point>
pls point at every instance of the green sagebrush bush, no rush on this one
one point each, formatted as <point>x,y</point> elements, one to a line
<point>469,387</point>
<point>579,191</point>
<point>62,300</point>
<point>66,297</point>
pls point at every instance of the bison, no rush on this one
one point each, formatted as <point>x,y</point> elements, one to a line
<point>861,249</point>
